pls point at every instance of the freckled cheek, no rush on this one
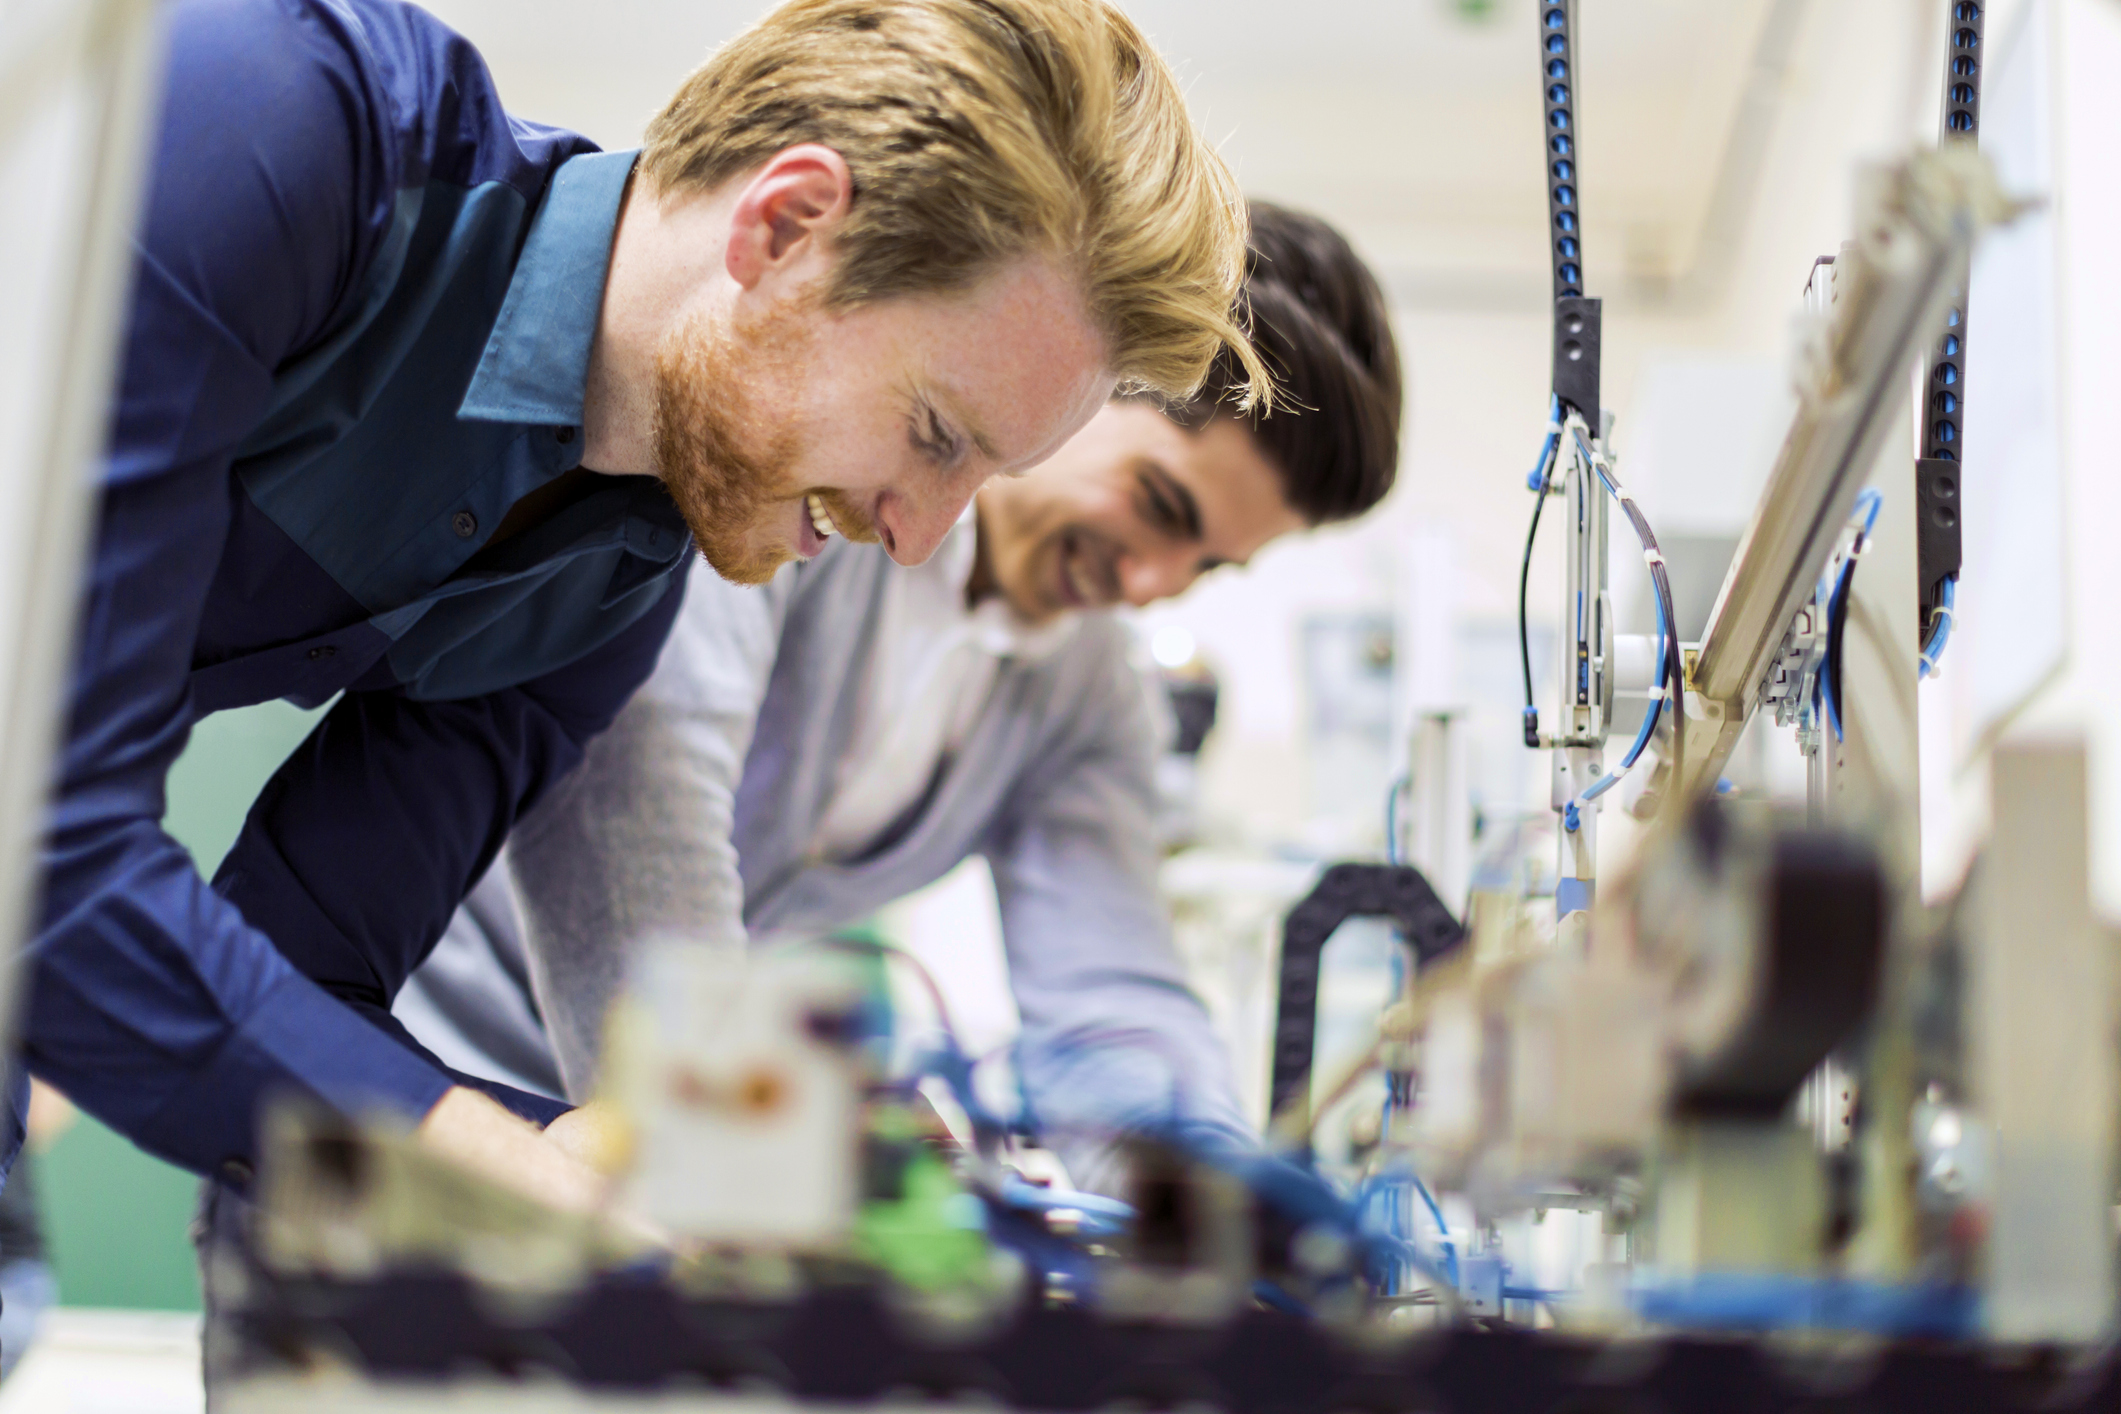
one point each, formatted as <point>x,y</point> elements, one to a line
<point>855,455</point>
<point>966,483</point>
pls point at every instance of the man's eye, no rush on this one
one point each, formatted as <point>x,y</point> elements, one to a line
<point>1157,507</point>
<point>932,438</point>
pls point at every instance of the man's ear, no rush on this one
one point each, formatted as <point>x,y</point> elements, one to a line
<point>785,209</point>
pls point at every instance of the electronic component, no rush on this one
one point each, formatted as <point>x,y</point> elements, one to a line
<point>738,1080</point>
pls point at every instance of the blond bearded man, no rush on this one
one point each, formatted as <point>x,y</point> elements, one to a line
<point>422,407</point>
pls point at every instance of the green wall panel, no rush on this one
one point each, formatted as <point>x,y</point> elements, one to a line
<point>116,1223</point>
<point>117,1220</point>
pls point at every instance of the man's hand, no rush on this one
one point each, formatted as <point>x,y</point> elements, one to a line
<point>595,1135</point>
<point>472,1130</point>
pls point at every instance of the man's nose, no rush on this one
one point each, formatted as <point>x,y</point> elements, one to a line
<point>1158,574</point>
<point>911,528</point>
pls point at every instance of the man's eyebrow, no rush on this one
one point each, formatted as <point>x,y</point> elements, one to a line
<point>1181,496</point>
<point>941,400</point>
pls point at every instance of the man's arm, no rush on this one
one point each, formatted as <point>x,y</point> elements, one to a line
<point>639,842</point>
<point>371,834</point>
<point>153,1003</point>
<point>1113,1038</point>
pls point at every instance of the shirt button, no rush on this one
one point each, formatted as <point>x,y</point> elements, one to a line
<point>324,652</point>
<point>564,436</point>
<point>465,524</point>
<point>235,1171</point>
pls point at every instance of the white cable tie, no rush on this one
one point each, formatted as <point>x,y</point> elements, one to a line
<point>1652,558</point>
<point>1657,693</point>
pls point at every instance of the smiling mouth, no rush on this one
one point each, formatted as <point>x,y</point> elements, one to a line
<point>1081,580</point>
<point>820,519</point>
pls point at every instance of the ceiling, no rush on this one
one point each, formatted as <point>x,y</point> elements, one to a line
<point>1414,124</point>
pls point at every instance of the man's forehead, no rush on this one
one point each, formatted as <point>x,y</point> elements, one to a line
<point>1024,369</point>
<point>1018,407</point>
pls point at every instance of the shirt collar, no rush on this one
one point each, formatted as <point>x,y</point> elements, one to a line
<point>537,357</point>
<point>995,627</point>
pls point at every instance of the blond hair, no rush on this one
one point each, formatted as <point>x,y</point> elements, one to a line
<point>978,131</point>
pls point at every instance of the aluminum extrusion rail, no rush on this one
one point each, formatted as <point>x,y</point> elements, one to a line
<point>1917,225</point>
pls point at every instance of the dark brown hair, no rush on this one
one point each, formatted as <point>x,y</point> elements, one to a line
<point>1319,322</point>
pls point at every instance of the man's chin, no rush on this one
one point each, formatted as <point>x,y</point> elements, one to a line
<point>742,563</point>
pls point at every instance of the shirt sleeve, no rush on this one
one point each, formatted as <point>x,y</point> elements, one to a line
<point>153,1002</point>
<point>371,834</point>
<point>1114,1039</point>
<point>640,842</point>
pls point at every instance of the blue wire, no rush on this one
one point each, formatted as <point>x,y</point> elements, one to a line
<point>1941,632</point>
<point>1649,722</point>
<point>1649,719</point>
<point>1868,501</point>
<point>1382,1200</point>
<point>1102,1217</point>
<point>1537,479</point>
<point>1827,694</point>
<point>1392,819</point>
<point>1443,1229</point>
<point>1414,1257</point>
<point>1449,1270</point>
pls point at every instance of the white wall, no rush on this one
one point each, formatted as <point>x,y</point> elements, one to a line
<point>1703,429</point>
<point>2076,39</point>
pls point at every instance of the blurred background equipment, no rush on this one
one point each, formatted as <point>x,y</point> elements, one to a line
<point>1830,1046</point>
<point>77,94</point>
<point>80,91</point>
<point>1749,1084</point>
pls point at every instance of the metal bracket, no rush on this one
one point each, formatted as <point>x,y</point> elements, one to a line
<point>1788,689</point>
<point>1576,354</point>
<point>1936,531</point>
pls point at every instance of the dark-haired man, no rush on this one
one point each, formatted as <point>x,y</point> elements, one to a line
<point>808,752</point>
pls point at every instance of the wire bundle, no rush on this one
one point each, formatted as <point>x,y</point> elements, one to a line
<point>1940,626</point>
<point>1673,687</point>
<point>1828,687</point>
<point>1670,686</point>
<point>1536,482</point>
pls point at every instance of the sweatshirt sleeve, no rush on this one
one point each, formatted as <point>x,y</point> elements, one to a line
<point>639,842</point>
<point>1114,1039</point>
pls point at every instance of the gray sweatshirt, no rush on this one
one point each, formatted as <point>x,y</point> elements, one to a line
<point>695,816</point>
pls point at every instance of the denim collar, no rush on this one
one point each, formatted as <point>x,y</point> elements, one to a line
<point>537,357</point>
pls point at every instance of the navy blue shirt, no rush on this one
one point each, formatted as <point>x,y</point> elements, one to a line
<point>364,303</point>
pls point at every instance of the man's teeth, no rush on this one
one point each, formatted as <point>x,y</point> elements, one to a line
<point>820,518</point>
<point>1079,580</point>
